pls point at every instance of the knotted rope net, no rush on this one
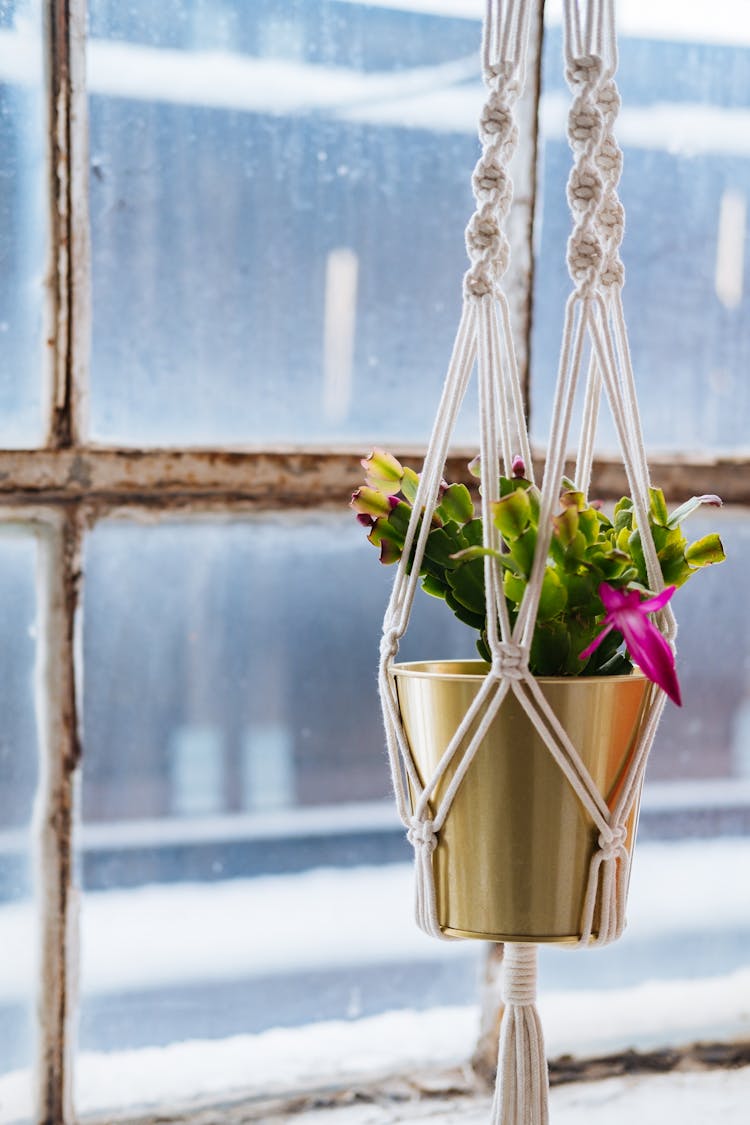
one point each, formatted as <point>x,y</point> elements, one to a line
<point>594,336</point>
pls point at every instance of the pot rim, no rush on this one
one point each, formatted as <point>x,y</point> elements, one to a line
<point>425,670</point>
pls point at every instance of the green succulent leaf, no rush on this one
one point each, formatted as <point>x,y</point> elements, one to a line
<point>690,506</point>
<point>705,551</point>
<point>398,520</point>
<point>370,502</point>
<point>554,596</point>
<point>566,525</point>
<point>467,586</point>
<point>456,504</point>
<point>439,550</point>
<point>433,586</point>
<point>472,618</point>
<point>471,533</point>
<point>522,550</point>
<point>390,552</point>
<point>469,554</point>
<point>589,524</point>
<point>572,498</point>
<point>658,507</point>
<point>674,566</point>
<point>514,587</point>
<point>382,471</point>
<point>409,484</point>
<point>550,649</point>
<point>512,514</point>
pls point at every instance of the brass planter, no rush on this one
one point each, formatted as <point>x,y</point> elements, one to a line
<point>512,859</point>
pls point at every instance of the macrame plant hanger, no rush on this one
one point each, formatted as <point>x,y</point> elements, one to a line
<point>594,338</point>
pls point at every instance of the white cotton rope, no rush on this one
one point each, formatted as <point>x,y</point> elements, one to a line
<point>594,338</point>
<point>521,1044</point>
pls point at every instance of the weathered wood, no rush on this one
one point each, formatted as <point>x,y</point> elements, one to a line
<point>59,544</point>
<point>306,477</point>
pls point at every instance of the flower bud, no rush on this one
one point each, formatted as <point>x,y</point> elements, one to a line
<point>518,467</point>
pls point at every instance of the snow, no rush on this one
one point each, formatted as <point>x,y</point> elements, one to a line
<point>690,1099</point>
<point>169,934</point>
<point>288,1060</point>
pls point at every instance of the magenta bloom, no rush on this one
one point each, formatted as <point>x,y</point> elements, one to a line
<point>627,612</point>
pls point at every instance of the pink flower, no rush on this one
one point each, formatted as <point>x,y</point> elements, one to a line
<point>627,612</point>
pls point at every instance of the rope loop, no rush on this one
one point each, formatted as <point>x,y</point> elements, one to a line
<point>477,285</point>
<point>422,835</point>
<point>584,70</point>
<point>389,644</point>
<point>509,662</point>
<point>503,75</point>
<point>612,843</point>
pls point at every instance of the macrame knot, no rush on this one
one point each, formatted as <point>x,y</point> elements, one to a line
<point>611,216</point>
<point>496,124</point>
<point>584,187</point>
<point>482,235</point>
<point>612,843</point>
<point>503,73</point>
<point>389,644</point>
<point>585,122</point>
<point>491,183</point>
<point>478,284</point>
<point>509,662</point>
<point>584,255</point>
<point>584,70</point>
<point>608,98</point>
<point>613,272</point>
<point>609,159</point>
<point>421,834</point>
<point>519,974</point>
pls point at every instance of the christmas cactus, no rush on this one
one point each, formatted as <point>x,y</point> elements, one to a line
<point>595,601</point>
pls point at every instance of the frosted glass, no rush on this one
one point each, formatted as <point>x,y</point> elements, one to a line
<point>18,769</point>
<point>278,196</point>
<point>23,223</point>
<point>685,188</point>
<point>233,746</point>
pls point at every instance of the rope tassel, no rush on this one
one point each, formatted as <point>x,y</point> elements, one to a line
<point>522,1082</point>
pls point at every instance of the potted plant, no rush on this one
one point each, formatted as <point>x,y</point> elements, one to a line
<point>596,655</point>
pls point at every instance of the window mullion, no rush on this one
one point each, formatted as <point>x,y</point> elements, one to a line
<point>58,577</point>
<point>68,276</point>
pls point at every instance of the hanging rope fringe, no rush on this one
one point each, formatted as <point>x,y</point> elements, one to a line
<point>521,1091</point>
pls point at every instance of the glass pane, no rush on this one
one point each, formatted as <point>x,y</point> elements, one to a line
<point>709,737</point>
<point>23,223</point>
<point>278,193</point>
<point>683,129</point>
<point>236,792</point>
<point>18,769</point>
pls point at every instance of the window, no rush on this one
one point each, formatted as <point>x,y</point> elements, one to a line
<point>248,273</point>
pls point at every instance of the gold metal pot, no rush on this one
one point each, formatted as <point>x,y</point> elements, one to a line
<point>512,858</point>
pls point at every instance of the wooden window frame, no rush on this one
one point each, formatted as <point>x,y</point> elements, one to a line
<point>63,487</point>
